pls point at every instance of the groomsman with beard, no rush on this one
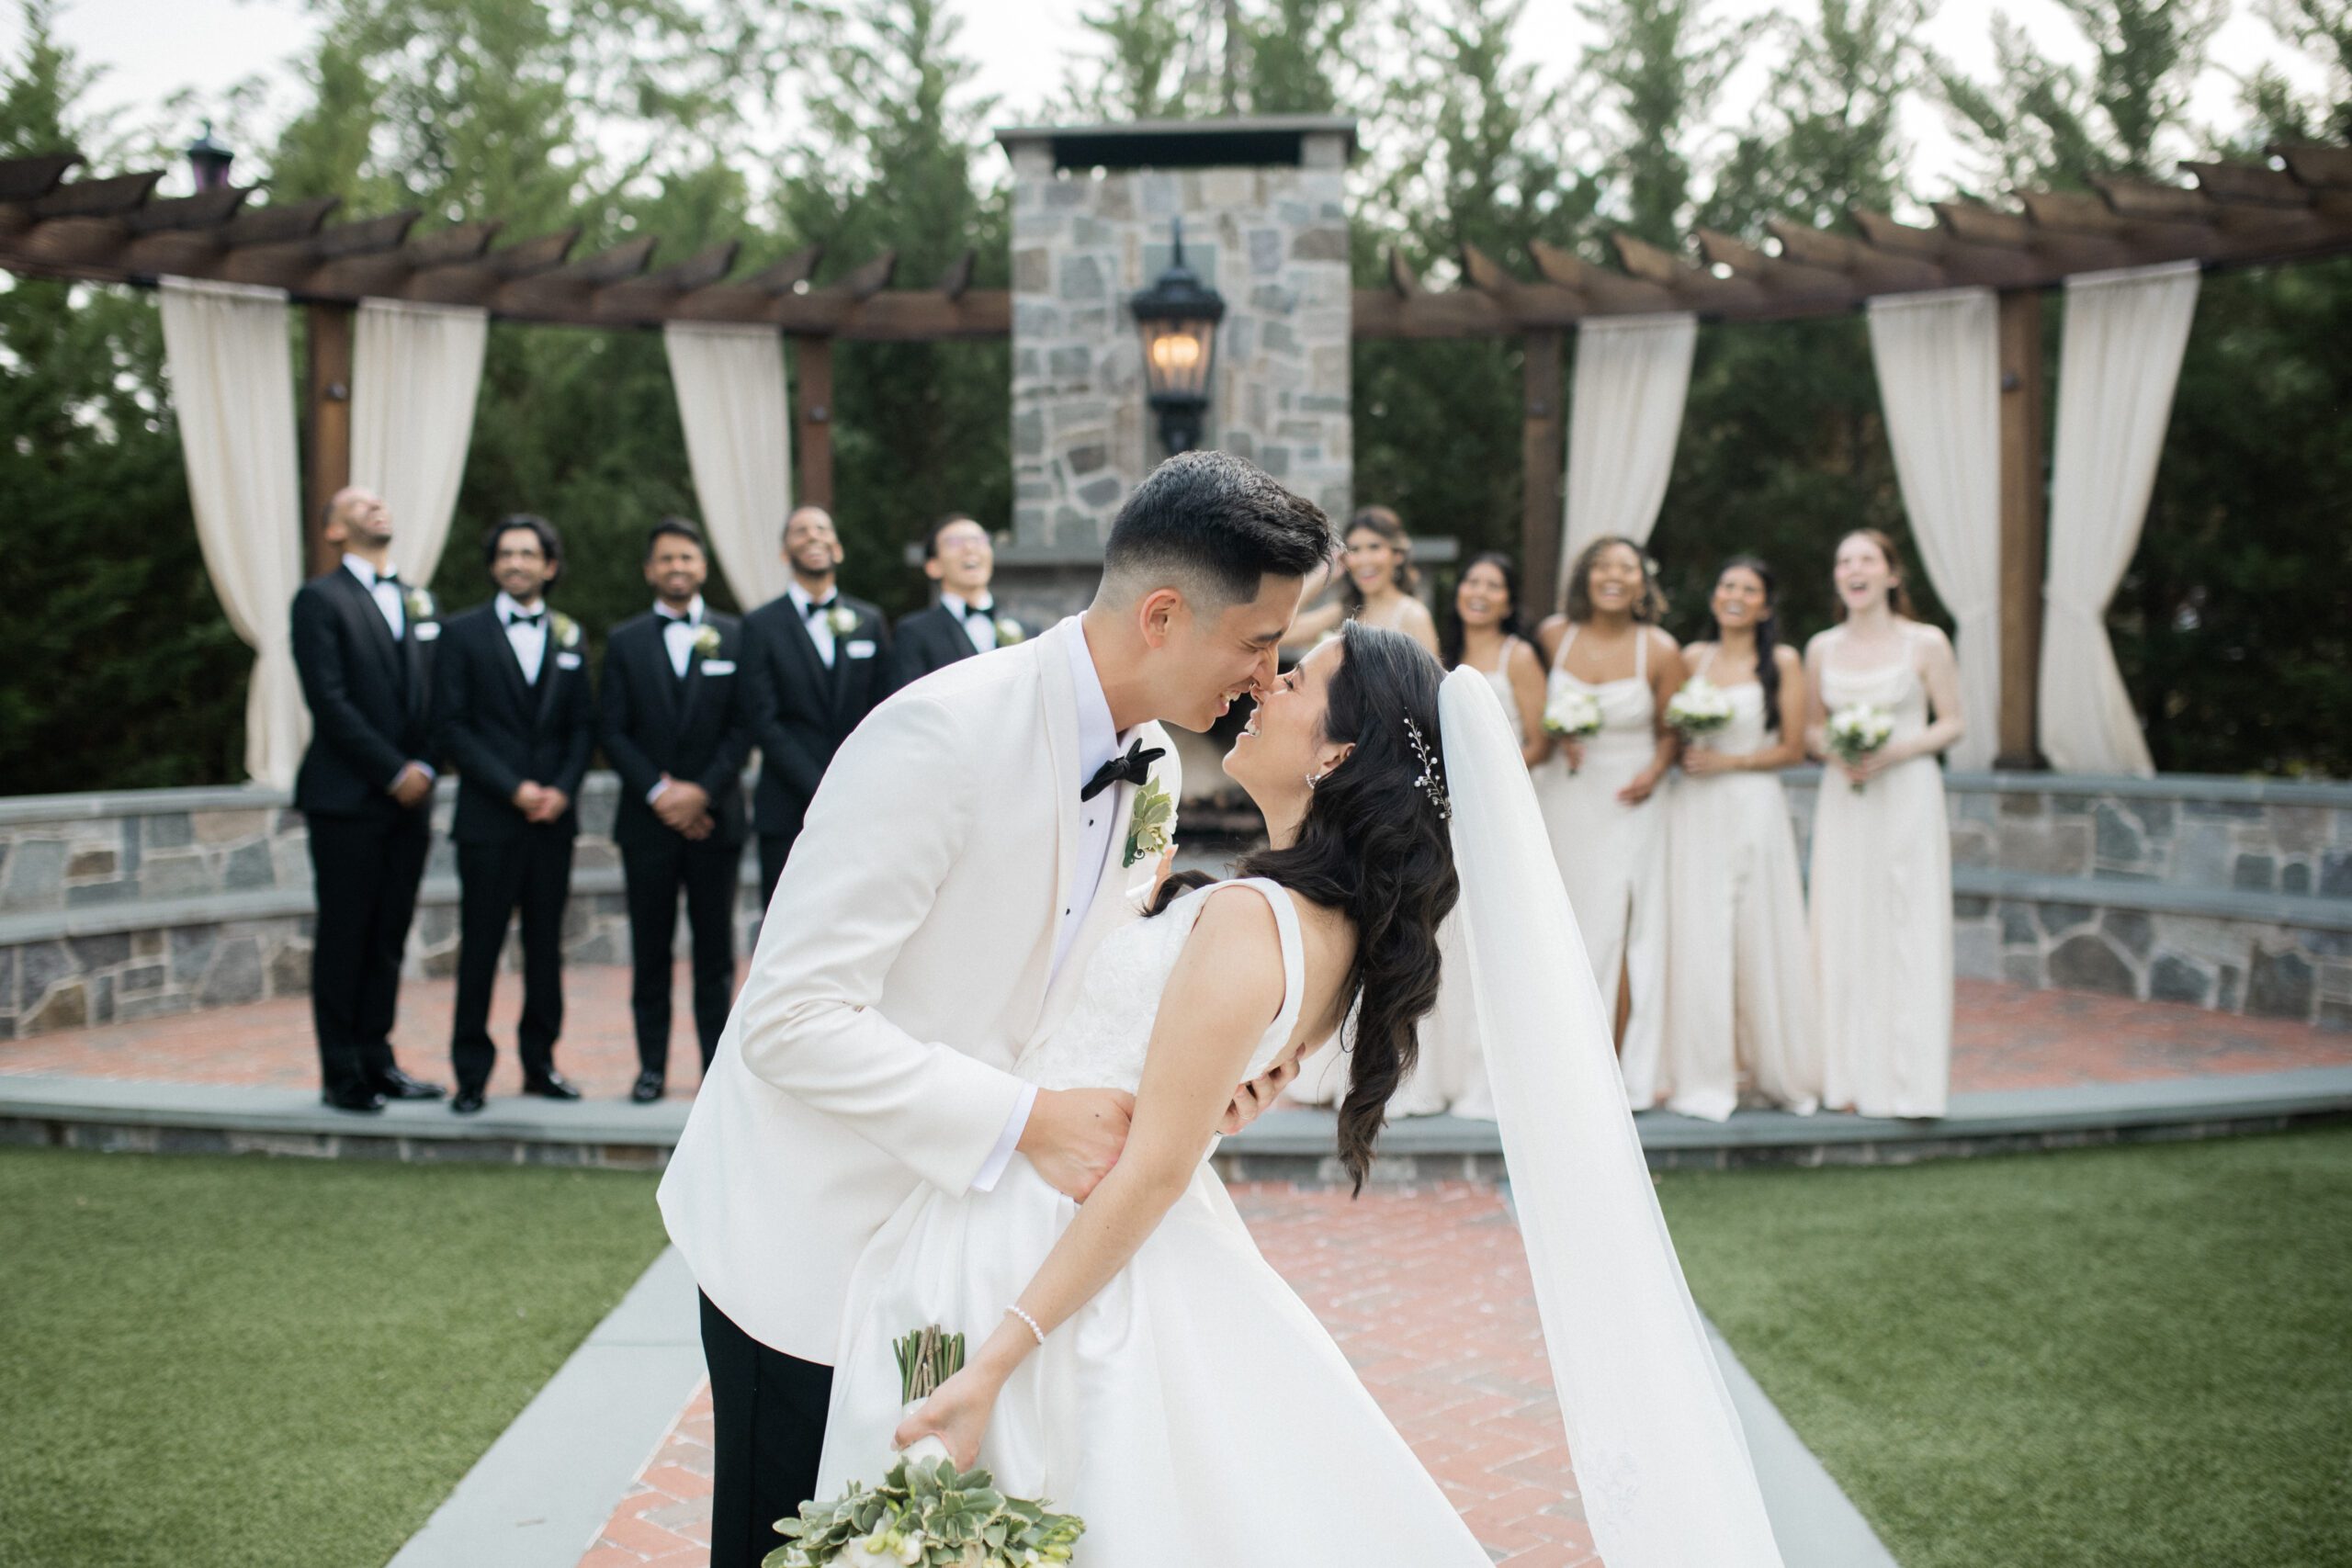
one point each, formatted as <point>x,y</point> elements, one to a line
<point>959,558</point>
<point>363,645</point>
<point>677,732</point>
<point>814,663</point>
<point>517,718</point>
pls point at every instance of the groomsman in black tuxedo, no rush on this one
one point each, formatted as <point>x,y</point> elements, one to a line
<point>958,557</point>
<point>363,645</point>
<point>515,714</point>
<point>677,731</point>
<point>815,662</point>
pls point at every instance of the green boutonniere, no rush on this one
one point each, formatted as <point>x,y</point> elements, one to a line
<point>842,619</point>
<point>419,604</point>
<point>1008,631</point>
<point>567,630</point>
<point>707,641</point>
<point>1151,824</point>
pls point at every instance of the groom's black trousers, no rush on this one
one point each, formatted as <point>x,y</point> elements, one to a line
<point>767,1429</point>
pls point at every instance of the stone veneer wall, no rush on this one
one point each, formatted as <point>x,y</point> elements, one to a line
<point>140,904</point>
<point>1272,240</point>
<point>2223,893</point>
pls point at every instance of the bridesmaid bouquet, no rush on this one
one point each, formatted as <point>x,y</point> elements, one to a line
<point>926,1513</point>
<point>1856,731</point>
<point>1571,715</point>
<point>1699,709</point>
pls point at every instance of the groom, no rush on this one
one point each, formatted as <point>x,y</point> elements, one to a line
<point>967,850</point>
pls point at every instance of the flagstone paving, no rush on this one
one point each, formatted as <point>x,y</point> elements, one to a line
<point>1425,1287</point>
<point>2005,1037</point>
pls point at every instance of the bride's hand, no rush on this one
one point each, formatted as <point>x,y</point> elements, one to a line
<point>958,1414</point>
<point>1250,1100</point>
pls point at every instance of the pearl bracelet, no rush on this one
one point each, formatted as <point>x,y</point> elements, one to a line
<point>1032,1323</point>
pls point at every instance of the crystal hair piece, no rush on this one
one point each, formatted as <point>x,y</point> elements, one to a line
<point>1430,783</point>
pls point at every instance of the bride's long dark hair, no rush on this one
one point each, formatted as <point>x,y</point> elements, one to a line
<point>1373,847</point>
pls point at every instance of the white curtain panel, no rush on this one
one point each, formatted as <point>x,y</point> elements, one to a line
<point>415,370</point>
<point>737,421</point>
<point>1632,375</point>
<point>1939,359</point>
<point>2119,362</point>
<point>227,351</point>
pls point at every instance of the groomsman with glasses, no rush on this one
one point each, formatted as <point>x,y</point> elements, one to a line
<point>677,731</point>
<point>363,647</point>
<point>814,663</point>
<point>959,558</point>
<point>517,715</point>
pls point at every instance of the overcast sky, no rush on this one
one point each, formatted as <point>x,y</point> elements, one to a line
<point>151,49</point>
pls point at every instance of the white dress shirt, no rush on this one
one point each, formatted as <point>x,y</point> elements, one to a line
<point>386,595</point>
<point>821,631</point>
<point>678,634</point>
<point>529,642</point>
<point>979,620</point>
<point>1097,744</point>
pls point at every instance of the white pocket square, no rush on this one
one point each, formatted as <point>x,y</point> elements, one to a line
<point>718,667</point>
<point>426,631</point>
<point>567,662</point>
<point>860,649</point>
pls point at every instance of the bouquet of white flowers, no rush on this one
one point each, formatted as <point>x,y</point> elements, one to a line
<point>1572,715</point>
<point>1859,730</point>
<point>1699,709</point>
<point>926,1513</point>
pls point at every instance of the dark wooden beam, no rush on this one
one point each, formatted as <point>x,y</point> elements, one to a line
<point>958,276</point>
<point>206,209</point>
<point>1543,387</point>
<point>1401,280</point>
<point>787,275</point>
<point>98,199</point>
<point>1689,287</point>
<point>22,179</point>
<point>326,425</point>
<point>872,279</point>
<point>813,357</point>
<point>2024,544</point>
<point>1604,293</point>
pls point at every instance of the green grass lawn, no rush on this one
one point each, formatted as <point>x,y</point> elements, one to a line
<point>256,1362</point>
<point>2118,1356</point>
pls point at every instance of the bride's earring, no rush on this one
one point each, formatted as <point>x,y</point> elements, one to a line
<point>1314,779</point>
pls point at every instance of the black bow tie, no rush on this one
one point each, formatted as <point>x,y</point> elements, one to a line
<point>670,620</point>
<point>816,609</point>
<point>979,613</point>
<point>525,617</point>
<point>391,574</point>
<point>1133,768</point>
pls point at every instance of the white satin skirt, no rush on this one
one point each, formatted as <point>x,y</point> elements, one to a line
<point>1193,1412</point>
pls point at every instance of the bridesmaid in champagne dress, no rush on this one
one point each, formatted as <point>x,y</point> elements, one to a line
<point>1881,850</point>
<point>1739,988</point>
<point>1600,794</point>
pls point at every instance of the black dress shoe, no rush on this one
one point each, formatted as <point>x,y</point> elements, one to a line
<point>555,1086</point>
<point>394,1084</point>
<point>468,1103</point>
<point>360,1100</point>
<point>647,1089</point>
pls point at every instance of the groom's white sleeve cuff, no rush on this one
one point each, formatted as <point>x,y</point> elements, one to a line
<point>1007,1141</point>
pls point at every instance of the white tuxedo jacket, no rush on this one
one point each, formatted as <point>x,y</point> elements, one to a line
<point>902,967</point>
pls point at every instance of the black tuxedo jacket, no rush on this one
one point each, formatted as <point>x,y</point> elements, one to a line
<point>932,640</point>
<point>698,729</point>
<point>499,730</point>
<point>370,698</point>
<point>801,711</point>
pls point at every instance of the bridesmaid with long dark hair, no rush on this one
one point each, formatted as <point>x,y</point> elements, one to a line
<point>1378,582</point>
<point>1486,633</point>
<point>1881,849</point>
<point>1598,794</point>
<point>1739,982</point>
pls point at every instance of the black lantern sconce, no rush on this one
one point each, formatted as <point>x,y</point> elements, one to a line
<point>210,160</point>
<point>1177,316</point>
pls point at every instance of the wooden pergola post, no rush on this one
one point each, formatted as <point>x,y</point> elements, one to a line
<point>326,388</point>
<point>1540,464</point>
<point>2024,543</point>
<point>815,437</point>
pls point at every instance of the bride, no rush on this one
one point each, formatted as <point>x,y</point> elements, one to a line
<point>1137,1360</point>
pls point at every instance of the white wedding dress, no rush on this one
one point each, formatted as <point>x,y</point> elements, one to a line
<point>1195,1411</point>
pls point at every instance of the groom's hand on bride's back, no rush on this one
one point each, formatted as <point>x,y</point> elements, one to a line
<point>1252,1099</point>
<point>1073,1136</point>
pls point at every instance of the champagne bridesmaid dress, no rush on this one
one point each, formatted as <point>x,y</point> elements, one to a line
<point>1740,990</point>
<point>1882,911</point>
<point>1612,857</point>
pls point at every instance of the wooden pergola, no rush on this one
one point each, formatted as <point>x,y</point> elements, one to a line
<point>2298,206</point>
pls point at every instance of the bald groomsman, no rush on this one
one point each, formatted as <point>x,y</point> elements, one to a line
<point>815,662</point>
<point>363,645</point>
<point>959,558</point>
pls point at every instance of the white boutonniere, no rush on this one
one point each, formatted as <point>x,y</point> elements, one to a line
<point>842,619</point>
<point>707,641</point>
<point>419,602</point>
<point>567,630</point>
<point>1008,631</point>
<point>1151,824</point>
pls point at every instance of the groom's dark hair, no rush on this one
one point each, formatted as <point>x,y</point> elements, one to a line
<point>1216,523</point>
